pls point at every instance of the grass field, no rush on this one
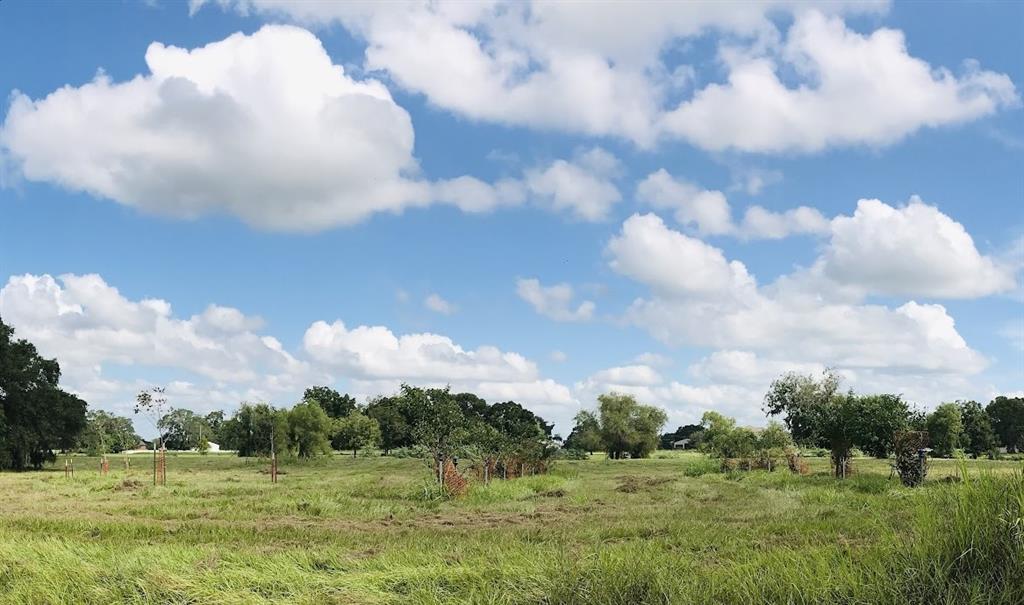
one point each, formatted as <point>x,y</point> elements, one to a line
<point>372,530</point>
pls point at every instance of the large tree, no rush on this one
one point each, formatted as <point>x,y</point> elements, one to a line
<point>357,431</point>
<point>817,414</point>
<point>183,429</point>
<point>36,416</point>
<point>395,428</point>
<point>627,426</point>
<point>586,433</point>
<point>979,438</point>
<point>309,430</point>
<point>106,433</point>
<point>1007,416</point>
<point>333,403</point>
<point>254,429</point>
<point>945,429</point>
<point>439,426</point>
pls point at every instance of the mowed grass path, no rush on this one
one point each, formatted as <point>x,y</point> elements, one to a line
<point>370,530</point>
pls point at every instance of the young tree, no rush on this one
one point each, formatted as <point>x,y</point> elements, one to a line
<point>586,434</point>
<point>945,429</point>
<point>979,438</point>
<point>333,403</point>
<point>152,404</point>
<point>1007,416</point>
<point>309,430</point>
<point>357,431</point>
<point>772,442</point>
<point>440,426</point>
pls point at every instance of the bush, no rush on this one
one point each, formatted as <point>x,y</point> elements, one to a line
<point>571,454</point>
<point>700,466</point>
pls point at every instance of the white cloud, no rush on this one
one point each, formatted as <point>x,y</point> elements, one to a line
<point>913,250</point>
<point>672,263</point>
<point>264,127</point>
<point>435,303</point>
<point>700,298</point>
<point>216,359</point>
<point>554,302</point>
<point>709,211</point>
<point>601,69</point>
<point>854,90</point>
<point>582,187</point>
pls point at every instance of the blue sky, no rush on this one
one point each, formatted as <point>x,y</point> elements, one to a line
<point>241,199</point>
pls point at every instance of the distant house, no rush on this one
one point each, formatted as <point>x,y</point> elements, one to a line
<point>214,447</point>
<point>681,444</point>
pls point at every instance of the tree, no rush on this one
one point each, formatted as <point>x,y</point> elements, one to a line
<point>440,425</point>
<point>945,429</point>
<point>515,421</point>
<point>395,430</point>
<point>106,433</point>
<point>1007,416</point>
<point>357,431</point>
<point>254,429</point>
<point>333,403</point>
<point>309,430</point>
<point>883,416</point>
<point>36,416</point>
<point>979,438</point>
<point>772,442</point>
<point>817,414</point>
<point>627,426</point>
<point>215,421</point>
<point>586,434</point>
<point>182,429</point>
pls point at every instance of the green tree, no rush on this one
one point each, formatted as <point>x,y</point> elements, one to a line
<point>586,433</point>
<point>945,429</point>
<point>36,416</point>
<point>215,421</point>
<point>1007,416</point>
<point>627,426</point>
<point>772,442</point>
<point>106,433</point>
<point>684,432</point>
<point>979,438</point>
<point>817,414</point>
<point>440,426</point>
<point>395,430</point>
<point>309,430</point>
<point>333,403</point>
<point>254,429</point>
<point>515,421</point>
<point>358,431</point>
<point>182,429</point>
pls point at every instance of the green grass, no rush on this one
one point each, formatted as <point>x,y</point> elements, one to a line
<point>373,530</point>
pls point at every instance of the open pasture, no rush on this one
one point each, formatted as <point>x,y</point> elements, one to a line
<point>374,530</point>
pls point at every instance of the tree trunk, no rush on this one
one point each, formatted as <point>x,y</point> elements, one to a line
<point>354,452</point>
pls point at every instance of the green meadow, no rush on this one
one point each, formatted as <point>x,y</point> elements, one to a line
<point>670,529</point>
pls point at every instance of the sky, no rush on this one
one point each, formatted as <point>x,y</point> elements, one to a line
<point>532,201</point>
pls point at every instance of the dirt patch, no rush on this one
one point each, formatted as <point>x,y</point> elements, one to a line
<point>631,484</point>
<point>129,485</point>
<point>553,493</point>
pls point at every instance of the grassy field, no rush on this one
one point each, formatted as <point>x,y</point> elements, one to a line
<point>372,530</point>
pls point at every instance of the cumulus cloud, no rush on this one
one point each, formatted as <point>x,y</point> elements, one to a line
<point>435,303</point>
<point>554,302</point>
<point>583,187</point>
<point>701,298</point>
<point>218,358</point>
<point>913,250</point>
<point>234,127</point>
<point>854,90</point>
<point>602,69</point>
<point>709,211</point>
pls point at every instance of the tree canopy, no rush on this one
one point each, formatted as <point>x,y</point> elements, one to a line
<point>36,416</point>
